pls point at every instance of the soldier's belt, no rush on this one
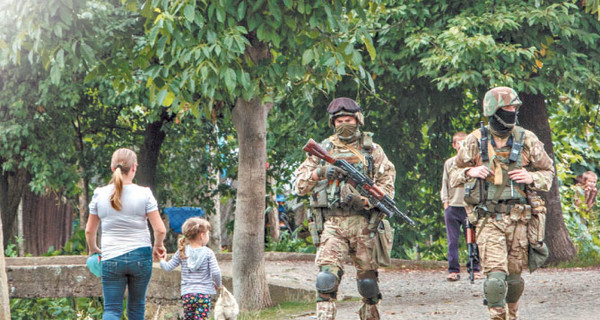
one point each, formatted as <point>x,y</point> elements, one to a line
<point>340,212</point>
<point>502,206</point>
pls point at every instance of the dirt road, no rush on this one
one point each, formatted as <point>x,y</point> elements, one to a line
<point>565,294</point>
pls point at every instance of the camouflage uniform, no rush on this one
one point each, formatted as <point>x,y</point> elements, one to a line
<point>502,221</point>
<point>346,230</point>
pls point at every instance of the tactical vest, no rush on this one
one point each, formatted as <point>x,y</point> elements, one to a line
<point>501,189</point>
<point>326,194</point>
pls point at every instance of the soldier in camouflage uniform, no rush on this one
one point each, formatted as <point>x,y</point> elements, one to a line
<point>345,211</point>
<point>514,167</point>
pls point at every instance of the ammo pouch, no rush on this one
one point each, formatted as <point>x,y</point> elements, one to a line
<point>315,225</point>
<point>536,229</point>
<point>384,239</point>
<point>318,197</point>
<point>318,203</point>
<point>475,191</point>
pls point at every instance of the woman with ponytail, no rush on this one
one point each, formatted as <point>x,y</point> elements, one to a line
<point>124,209</point>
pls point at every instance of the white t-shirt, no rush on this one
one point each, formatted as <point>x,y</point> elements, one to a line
<point>125,230</point>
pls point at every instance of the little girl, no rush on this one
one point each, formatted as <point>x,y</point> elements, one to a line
<point>200,273</point>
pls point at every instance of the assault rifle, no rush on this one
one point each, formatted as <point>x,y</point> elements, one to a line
<point>363,184</point>
<point>472,249</point>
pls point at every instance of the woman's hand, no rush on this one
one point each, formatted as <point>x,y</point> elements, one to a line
<point>97,250</point>
<point>159,252</point>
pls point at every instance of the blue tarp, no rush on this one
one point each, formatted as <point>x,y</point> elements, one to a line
<point>178,215</point>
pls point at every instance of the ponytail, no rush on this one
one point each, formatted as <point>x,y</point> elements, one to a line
<point>181,246</point>
<point>122,161</point>
<point>115,198</point>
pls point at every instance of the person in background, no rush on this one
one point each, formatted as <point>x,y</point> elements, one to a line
<point>124,209</point>
<point>588,190</point>
<point>200,273</point>
<point>455,214</point>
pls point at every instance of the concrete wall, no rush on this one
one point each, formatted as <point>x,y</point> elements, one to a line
<point>68,276</point>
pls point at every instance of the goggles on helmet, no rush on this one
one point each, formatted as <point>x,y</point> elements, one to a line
<point>343,104</point>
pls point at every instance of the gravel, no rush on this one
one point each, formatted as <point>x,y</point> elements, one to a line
<point>425,294</point>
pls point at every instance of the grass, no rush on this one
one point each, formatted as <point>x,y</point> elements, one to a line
<point>576,263</point>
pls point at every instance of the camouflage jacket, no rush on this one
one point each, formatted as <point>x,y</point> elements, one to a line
<point>534,159</point>
<point>384,170</point>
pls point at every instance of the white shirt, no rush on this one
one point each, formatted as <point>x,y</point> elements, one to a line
<point>125,230</point>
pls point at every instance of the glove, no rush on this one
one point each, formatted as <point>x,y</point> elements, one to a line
<point>537,256</point>
<point>335,173</point>
<point>322,171</point>
<point>350,198</point>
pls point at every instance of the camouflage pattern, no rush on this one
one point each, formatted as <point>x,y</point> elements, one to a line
<point>503,239</point>
<point>534,159</point>
<point>347,234</point>
<point>499,97</point>
<point>326,310</point>
<point>385,172</point>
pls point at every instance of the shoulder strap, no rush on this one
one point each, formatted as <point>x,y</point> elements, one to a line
<point>352,149</point>
<point>497,169</point>
<point>517,146</point>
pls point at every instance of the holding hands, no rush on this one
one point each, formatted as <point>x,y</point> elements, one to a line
<point>159,252</point>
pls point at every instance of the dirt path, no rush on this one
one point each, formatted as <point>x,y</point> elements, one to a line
<point>419,295</point>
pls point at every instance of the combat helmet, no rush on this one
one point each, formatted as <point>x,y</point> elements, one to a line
<point>344,107</point>
<point>499,97</point>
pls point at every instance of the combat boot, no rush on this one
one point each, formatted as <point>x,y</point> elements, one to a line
<point>498,313</point>
<point>368,312</point>
<point>513,310</point>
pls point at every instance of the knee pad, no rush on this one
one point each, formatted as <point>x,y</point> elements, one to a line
<point>368,287</point>
<point>516,285</point>
<point>494,289</point>
<point>327,282</point>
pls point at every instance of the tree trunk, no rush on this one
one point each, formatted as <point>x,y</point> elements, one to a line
<point>12,185</point>
<point>249,278</point>
<point>149,152</point>
<point>47,222</point>
<point>4,297</point>
<point>533,116</point>
<point>84,200</point>
<point>215,217</point>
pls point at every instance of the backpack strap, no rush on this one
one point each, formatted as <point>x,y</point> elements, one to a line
<point>496,168</point>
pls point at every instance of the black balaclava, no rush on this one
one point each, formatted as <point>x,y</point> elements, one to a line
<point>503,122</point>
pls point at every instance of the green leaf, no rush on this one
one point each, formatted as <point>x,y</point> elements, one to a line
<point>230,78</point>
<point>169,99</point>
<point>369,44</point>
<point>307,57</point>
<point>55,74</point>
<point>161,96</point>
<point>189,13</point>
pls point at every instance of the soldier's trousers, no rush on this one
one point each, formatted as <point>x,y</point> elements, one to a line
<point>503,248</point>
<point>342,235</point>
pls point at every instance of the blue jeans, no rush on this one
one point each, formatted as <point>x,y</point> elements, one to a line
<point>132,270</point>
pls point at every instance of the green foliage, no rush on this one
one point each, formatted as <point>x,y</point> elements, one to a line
<point>12,249</point>
<point>63,308</point>
<point>290,243</point>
